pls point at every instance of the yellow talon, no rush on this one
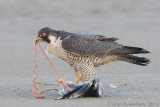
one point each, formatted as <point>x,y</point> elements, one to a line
<point>77,81</point>
<point>78,75</point>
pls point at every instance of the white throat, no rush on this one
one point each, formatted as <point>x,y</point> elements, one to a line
<point>55,47</point>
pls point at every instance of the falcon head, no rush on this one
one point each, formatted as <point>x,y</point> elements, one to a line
<point>45,35</point>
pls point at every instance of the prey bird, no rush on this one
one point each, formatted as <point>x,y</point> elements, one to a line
<point>84,52</point>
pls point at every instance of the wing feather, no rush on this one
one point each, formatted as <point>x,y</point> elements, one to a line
<point>87,47</point>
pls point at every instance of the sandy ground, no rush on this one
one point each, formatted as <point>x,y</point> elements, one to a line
<point>134,22</point>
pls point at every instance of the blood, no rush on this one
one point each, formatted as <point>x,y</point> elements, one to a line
<point>60,80</point>
<point>35,76</point>
<point>36,89</point>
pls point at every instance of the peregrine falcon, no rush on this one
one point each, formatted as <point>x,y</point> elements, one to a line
<point>84,52</point>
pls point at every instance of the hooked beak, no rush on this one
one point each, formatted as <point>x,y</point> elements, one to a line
<point>38,38</point>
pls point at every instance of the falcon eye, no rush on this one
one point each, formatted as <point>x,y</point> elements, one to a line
<point>42,35</point>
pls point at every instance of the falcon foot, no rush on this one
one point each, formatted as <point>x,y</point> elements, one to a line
<point>92,88</point>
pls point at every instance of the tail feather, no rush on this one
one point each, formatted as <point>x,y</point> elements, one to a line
<point>125,54</point>
<point>136,50</point>
<point>135,60</point>
<point>125,50</point>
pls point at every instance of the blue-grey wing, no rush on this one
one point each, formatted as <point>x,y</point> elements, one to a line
<point>87,47</point>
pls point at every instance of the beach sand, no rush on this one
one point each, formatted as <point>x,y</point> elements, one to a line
<point>134,22</point>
